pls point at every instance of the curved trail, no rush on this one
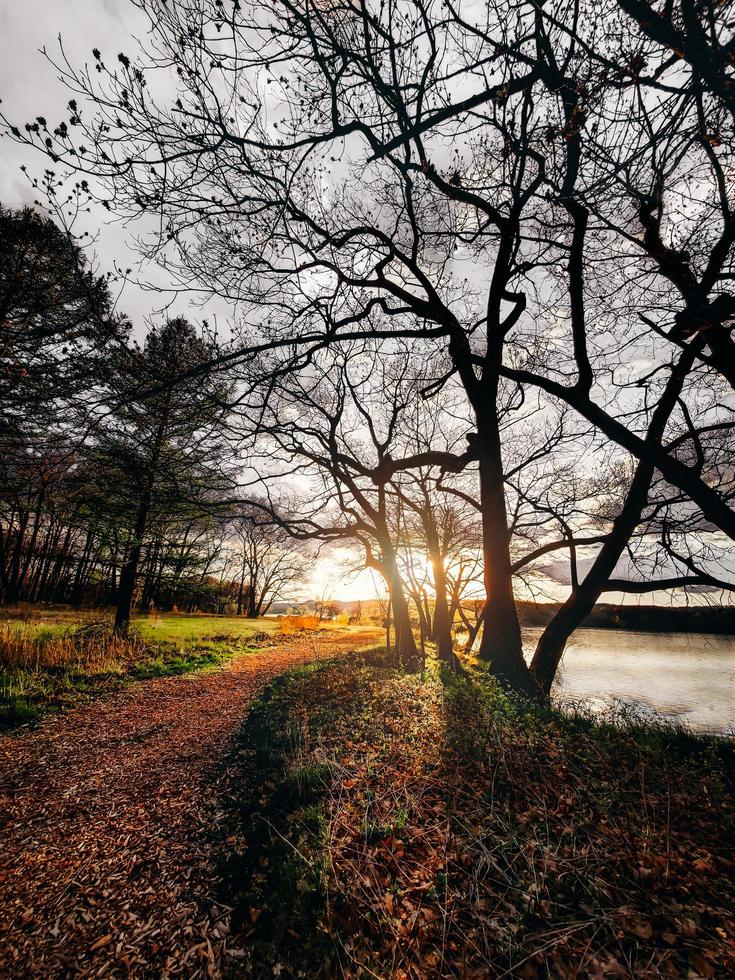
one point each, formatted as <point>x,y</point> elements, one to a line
<point>106,817</point>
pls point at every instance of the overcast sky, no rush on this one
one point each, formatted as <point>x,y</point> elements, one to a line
<point>29,87</point>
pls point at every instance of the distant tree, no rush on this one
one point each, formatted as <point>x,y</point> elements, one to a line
<point>441,534</point>
<point>159,446</point>
<point>270,562</point>
<point>326,610</point>
<point>339,425</point>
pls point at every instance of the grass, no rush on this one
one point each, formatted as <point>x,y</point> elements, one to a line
<point>392,825</point>
<point>56,659</point>
<point>171,627</point>
<point>185,628</point>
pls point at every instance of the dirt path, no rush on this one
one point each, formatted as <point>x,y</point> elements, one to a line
<point>106,860</point>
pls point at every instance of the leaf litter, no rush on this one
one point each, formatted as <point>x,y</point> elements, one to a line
<point>109,817</point>
<point>384,825</point>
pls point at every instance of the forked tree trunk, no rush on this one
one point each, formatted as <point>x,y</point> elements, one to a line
<point>473,629</point>
<point>30,549</point>
<point>129,572</point>
<point>425,632</point>
<point>441,627</point>
<point>13,581</point>
<point>435,626</point>
<point>77,594</point>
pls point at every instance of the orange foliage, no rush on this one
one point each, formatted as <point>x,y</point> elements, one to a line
<point>295,624</point>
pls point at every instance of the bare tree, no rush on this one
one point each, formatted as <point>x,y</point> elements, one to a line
<point>335,427</point>
<point>538,192</point>
<point>269,562</point>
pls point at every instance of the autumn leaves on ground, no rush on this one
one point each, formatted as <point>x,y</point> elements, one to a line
<point>110,815</point>
<point>300,809</point>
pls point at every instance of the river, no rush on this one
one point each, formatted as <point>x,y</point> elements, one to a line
<point>688,677</point>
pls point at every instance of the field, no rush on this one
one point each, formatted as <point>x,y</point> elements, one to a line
<point>53,659</point>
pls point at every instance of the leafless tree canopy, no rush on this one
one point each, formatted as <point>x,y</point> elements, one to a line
<point>514,222</point>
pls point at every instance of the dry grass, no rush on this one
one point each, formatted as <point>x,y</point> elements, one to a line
<point>47,666</point>
<point>91,647</point>
<point>53,656</point>
<point>295,624</point>
<point>44,667</point>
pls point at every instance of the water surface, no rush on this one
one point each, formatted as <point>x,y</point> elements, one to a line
<point>684,676</point>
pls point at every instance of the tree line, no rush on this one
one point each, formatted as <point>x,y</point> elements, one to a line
<point>112,476</point>
<point>481,260</point>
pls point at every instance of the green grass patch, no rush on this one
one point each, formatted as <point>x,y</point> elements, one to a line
<point>50,665</point>
<point>185,628</point>
<point>28,696</point>
<point>171,661</point>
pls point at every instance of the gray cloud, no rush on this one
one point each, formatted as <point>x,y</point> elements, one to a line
<point>29,87</point>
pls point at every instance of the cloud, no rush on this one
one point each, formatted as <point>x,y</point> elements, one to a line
<point>29,86</point>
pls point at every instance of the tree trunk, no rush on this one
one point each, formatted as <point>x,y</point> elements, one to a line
<point>580,603</point>
<point>472,628</point>
<point>406,651</point>
<point>49,587</point>
<point>425,624</point>
<point>30,550</point>
<point>241,589</point>
<point>388,617</point>
<point>441,628</point>
<point>3,569</point>
<point>42,570</point>
<point>501,644</point>
<point>77,593</point>
<point>13,583</point>
<point>252,602</point>
<point>129,572</point>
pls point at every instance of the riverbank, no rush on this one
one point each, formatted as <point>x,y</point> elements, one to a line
<point>383,824</point>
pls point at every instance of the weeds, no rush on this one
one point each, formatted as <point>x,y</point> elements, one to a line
<point>90,647</point>
<point>48,668</point>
